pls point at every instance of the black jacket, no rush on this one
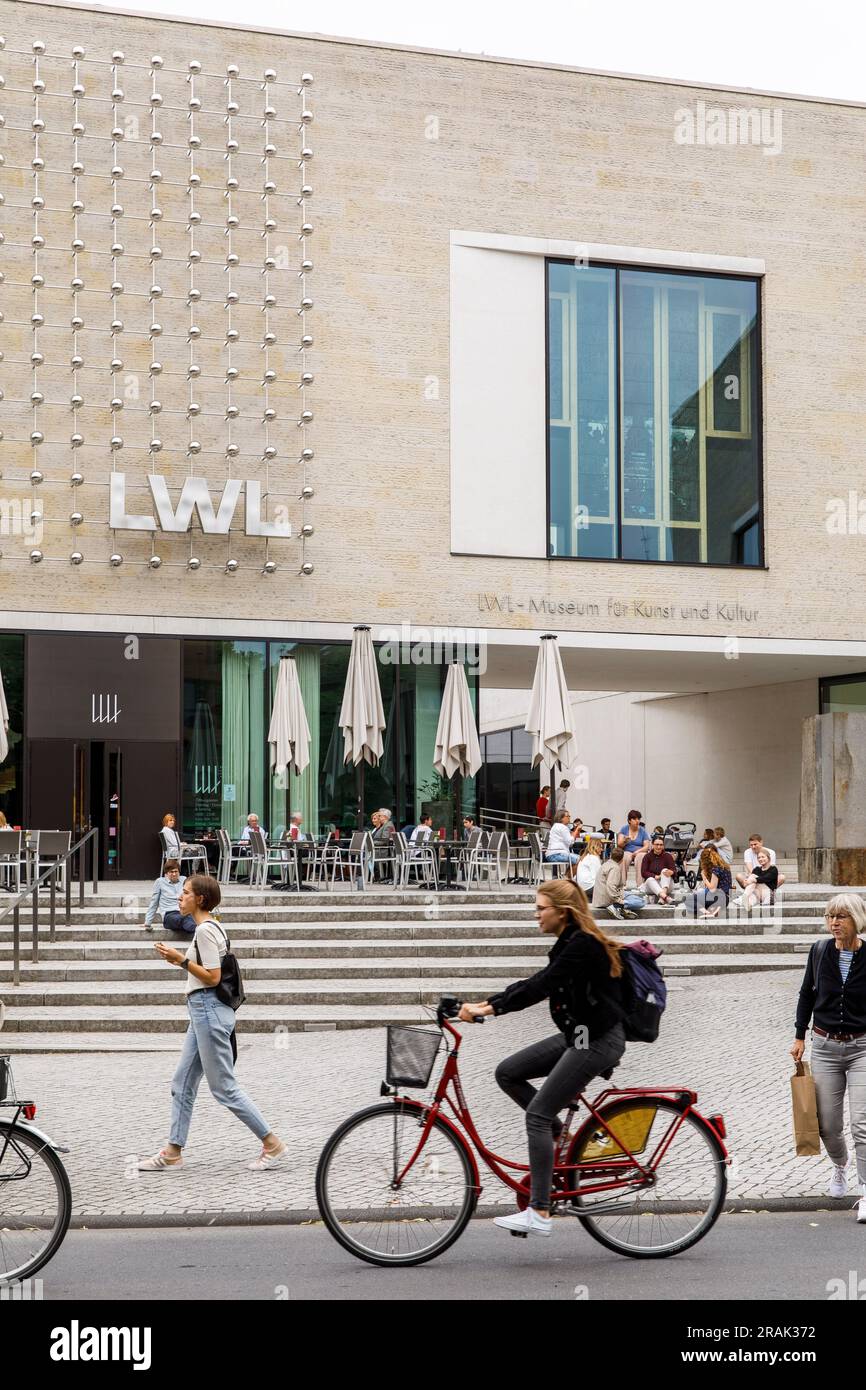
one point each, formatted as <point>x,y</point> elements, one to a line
<point>578,984</point>
<point>837,1007</point>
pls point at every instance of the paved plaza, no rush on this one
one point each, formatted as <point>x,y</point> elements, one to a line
<point>725,1036</point>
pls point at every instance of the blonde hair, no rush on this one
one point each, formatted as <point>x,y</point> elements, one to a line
<point>592,847</point>
<point>570,898</point>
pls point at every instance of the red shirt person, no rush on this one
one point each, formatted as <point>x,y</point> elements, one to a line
<point>542,803</point>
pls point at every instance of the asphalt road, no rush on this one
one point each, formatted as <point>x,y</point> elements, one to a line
<point>783,1255</point>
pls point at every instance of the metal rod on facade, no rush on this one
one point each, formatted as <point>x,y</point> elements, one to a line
<point>96,863</point>
<point>53,910</point>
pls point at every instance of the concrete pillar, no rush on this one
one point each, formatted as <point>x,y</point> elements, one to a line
<point>832,827</point>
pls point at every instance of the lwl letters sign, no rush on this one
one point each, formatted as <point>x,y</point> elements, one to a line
<point>195,496</point>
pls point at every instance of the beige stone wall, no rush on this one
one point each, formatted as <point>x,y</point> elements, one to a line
<point>521,150</point>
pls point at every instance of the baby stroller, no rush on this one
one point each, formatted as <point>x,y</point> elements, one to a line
<point>679,841</point>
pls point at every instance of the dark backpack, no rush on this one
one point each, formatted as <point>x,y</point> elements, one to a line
<point>644,991</point>
<point>230,989</point>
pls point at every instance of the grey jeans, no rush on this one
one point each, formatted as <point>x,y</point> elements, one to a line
<point>207,1051</point>
<point>836,1065</point>
<point>568,1071</point>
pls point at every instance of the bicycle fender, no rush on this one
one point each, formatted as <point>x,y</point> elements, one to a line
<point>408,1103</point>
<point>702,1119</point>
<point>40,1134</point>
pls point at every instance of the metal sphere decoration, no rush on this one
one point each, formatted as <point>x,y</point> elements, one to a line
<point>76,557</point>
<point>269,567</point>
<point>36,557</point>
<point>193,563</point>
<point>115,560</point>
<point>231,566</point>
<point>307,567</point>
<point>155,561</point>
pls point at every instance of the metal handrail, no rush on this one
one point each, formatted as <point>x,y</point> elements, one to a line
<point>491,815</point>
<point>32,891</point>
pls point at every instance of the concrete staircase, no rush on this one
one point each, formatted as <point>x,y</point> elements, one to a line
<point>342,960</point>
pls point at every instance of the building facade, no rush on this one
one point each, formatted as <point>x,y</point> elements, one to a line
<point>465,349</point>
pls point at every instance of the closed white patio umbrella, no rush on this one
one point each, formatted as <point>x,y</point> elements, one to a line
<point>457,748</point>
<point>549,717</point>
<point>289,732</point>
<point>4,724</point>
<point>362,715</point>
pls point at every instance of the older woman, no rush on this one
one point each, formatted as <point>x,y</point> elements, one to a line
<point>833,998</point>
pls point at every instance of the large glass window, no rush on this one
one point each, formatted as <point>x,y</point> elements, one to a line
<point>653,416</point>
<point>843,695</point>
<point>12,767</point>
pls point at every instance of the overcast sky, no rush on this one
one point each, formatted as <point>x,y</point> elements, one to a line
<point>783,45</point>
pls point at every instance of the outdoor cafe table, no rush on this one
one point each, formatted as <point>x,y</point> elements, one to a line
<point>449,846</point>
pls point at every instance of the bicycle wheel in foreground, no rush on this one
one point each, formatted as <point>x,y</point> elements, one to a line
<point>35,1203</point>
<point>690,1179</point>
<point>370,1216</point>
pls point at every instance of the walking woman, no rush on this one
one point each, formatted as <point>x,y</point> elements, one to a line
<point>833,997</point>
<point>207,1048</point>
<point>583,984</point>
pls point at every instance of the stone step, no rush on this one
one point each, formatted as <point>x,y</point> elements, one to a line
<point>486,958</point>
<point>332,1008</point>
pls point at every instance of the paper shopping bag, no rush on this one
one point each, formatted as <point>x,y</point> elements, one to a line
<point>805,1104</point>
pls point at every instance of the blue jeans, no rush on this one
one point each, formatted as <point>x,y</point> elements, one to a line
<point>207,1051</point>
<point>179,921</point>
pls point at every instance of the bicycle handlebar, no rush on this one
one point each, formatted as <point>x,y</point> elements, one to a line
<point>449,1007</point>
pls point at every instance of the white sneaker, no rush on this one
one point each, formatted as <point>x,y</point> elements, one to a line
<point>160,1163</point>
<point>861,1209</point>
<point>525,1223</point>
<point>839,1181</point>
<point>266,1160</point>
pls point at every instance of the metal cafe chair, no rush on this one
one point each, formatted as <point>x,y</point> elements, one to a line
<point>194,855</point>
<point>12,858</point>
<point>50,847</point>
<point>420,857</point>
<point>228,857</point>
<point>491,859</point>
<point>357,857</point>
<point>263,856</point>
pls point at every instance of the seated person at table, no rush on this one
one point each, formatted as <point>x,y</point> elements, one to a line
<point>468,826</point>
<point>658,869</point>
<point>164,901</point>
<point>422,832</point>
<point>252,824</point>
<point>634,840</point>
<point>560,844</point>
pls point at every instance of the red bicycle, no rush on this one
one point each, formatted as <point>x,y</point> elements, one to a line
<point>396,1184</point>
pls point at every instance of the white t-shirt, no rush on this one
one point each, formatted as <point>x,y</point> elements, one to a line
<point>587,871</point>
<point>211,947</point>
<point>750,857</point>
<point>559,840</point>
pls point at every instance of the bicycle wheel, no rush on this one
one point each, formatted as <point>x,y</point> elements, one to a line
<point>35,1203</point>
<point>690,1179</point>
<point>367,1214</point>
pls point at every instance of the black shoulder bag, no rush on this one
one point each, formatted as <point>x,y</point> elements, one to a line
<point>230,989</point>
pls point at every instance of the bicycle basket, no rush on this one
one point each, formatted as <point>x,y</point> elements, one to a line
<point>411,1055</point>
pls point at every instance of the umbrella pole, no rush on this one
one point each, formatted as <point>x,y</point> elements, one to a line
<point>361,794</point>
<point>458,806</point>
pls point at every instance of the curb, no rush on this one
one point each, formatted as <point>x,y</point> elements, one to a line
<point>301,1216</point>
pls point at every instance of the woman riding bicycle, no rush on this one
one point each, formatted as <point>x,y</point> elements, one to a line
<point>582,983</point>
